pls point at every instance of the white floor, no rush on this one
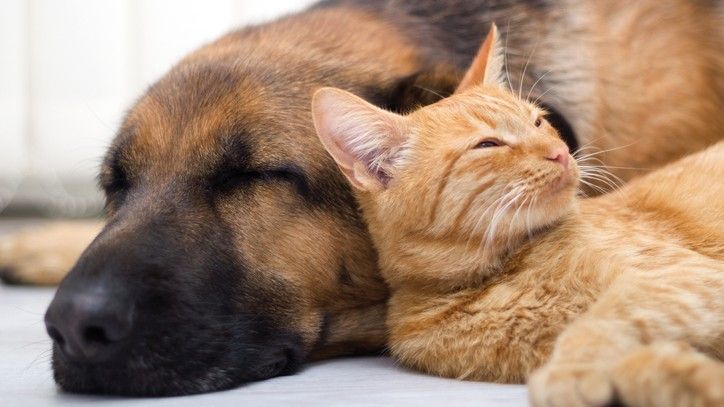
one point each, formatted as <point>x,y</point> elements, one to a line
<point>25,376</point>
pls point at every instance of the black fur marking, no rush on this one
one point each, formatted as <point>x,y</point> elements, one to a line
<point>323,335</point>
<point>559,122</point>
<point>345,278</point>
<point>422,88</point>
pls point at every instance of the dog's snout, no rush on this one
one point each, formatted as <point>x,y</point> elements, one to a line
<point>89,325</point>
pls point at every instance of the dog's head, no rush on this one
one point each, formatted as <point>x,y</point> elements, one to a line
<point>234,249</point>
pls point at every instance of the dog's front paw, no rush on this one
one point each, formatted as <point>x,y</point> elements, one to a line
<point>43,255</point>
<point>563,385</point>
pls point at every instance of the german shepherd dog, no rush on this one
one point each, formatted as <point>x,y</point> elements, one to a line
<point>233,249</point>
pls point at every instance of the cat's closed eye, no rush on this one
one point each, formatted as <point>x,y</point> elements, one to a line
<point>488,144</point>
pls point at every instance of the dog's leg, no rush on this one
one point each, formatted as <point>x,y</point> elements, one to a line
<point>43,255</point>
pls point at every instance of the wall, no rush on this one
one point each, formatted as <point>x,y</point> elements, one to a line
<point>69,69</point>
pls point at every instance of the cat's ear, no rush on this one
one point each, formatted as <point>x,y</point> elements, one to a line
<point>364,140</point>
<point>487,67</point>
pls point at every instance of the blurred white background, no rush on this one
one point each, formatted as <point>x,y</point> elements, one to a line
<point>68,71</point>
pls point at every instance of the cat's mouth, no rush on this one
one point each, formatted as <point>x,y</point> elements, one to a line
<point>563,182</point>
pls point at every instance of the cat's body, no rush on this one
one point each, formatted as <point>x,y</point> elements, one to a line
<point>499,272</point>
<point>664,229</point>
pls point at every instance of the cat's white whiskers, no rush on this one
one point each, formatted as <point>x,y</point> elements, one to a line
<point>629,168</point>
<point>607,150</point>
<point>481,218</point>
<point>527,217</point>
<point>608,174</point>
<point>588,146</point>
<point>505,58</point>
<point>593,186</point>
<point>536,83</point>
<point>495,206</point>
<point>603,175</point>
<point>605,181</point>
<point>585,161</point>
<point>595,163</point>
<point>535,102</point>
<point>487,229</point>
<point>514,218</point>
<point>514,194</point>
<point>583,148</point>
<point>431,91</point>
<point>525,68</point>
<point>592,170</point>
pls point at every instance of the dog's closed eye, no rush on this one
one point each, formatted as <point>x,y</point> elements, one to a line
<point>232,179</point>
<point>114,181</point>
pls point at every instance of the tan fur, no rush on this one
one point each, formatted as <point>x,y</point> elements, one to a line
<point>574,295</point>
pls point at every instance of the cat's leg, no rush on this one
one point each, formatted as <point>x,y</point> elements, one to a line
<point>682,302</point>
<point>578,373</point>
<point>43,255</point>
<point>669,373</point>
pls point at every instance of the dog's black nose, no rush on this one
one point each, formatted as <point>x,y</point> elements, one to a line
<point>89,325</point>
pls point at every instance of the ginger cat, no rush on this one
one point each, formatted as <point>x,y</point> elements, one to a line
<point>499,272</point>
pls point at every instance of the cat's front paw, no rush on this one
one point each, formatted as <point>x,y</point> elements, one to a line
<point>669,374</point>
<point>564,385</point>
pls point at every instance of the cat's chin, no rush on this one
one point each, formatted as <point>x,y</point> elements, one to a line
<point>565,184</point>
<point>559,198</point>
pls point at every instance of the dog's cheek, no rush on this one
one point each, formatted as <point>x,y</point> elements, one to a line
<point>287,244</point>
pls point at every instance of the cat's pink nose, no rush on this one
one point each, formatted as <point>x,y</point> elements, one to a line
<point>560,155</point>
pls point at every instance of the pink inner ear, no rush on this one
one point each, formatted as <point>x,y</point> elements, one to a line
<point>358,135</point>
<point>366,143</point>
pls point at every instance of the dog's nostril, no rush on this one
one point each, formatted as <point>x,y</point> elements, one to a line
<point>89,324</point>
<point>95,335</point>
<point>56,336</point>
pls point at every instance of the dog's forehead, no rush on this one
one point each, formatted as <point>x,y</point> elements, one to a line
<point>201,114</point>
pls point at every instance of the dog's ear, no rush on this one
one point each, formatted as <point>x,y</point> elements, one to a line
<point>425,87</point>
<point>487,67</point>
<point>365,141</point>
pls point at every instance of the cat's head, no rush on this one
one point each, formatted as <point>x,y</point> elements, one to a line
<point>481,165</point>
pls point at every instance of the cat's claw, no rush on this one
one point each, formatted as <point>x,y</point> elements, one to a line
<point>570,386</point>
